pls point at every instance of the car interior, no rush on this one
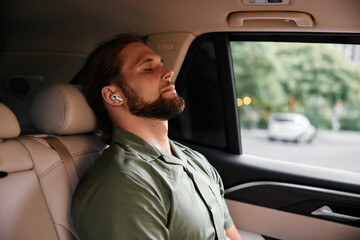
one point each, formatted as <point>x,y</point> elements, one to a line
<point>48,137</point>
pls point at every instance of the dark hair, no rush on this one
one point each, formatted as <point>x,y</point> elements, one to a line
<point>103,68</point>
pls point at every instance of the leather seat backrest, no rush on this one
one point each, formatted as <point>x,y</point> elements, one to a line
<point>62,111</point>
<point>36,194</point>
<point>23,208</point>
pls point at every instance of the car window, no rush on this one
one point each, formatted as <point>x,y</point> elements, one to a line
<point>299,102</point>
<point>202,121</point>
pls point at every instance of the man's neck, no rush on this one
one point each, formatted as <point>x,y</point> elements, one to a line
<point>151,130</point>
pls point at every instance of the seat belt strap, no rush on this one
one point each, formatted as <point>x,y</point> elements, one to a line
<point>67,160</point>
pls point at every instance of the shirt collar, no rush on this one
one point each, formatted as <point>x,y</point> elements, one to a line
<point>179,159</point>
<point>179,151</point>
<point>146,150</point>
<point>132,141</point>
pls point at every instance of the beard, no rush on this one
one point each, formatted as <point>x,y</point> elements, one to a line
<point>161,108</point>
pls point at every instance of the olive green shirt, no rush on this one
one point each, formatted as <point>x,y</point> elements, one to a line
<point>135,191</point>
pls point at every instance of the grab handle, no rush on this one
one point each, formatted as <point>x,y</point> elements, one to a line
<point>326,212</point>
<point>236,19</point>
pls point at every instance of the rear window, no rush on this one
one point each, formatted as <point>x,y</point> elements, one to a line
<point>316,83</point>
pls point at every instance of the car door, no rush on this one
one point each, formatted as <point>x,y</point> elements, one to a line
<point>275,198</point>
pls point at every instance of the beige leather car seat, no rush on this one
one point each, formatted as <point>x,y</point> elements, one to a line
<point>36,194</point>
<point>24,213</point>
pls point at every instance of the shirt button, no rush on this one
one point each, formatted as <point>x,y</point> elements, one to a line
<point>209,207</point>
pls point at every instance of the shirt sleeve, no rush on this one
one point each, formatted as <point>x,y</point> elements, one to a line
<point>126,208</point>
<point>228,222</point>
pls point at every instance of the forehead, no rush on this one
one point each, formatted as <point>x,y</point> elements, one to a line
<point>134,53</point>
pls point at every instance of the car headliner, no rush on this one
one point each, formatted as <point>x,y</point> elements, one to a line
<point>76,26</point>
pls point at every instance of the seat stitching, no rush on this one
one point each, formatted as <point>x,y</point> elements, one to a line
<point>64,118</point>
<point>41,187</point>
<point>50,168</point>
<point>69,230</point>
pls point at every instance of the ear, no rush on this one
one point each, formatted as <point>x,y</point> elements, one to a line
<point>107,92</point>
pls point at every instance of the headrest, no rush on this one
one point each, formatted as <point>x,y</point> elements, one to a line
<point>62,109</point>
<point>9,125</point>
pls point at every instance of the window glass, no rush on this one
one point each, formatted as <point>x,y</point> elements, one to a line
<point>203,119</point>
<point>299,102</point>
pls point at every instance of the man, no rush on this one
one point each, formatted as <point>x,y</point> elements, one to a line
<point>144,186</point>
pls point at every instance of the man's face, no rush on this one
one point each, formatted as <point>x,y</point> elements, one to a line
<point>147,84</point>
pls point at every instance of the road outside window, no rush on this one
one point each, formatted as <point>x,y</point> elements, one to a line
<point>299,102</point>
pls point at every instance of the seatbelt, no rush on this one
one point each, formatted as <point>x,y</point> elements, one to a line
<point>67,159</point>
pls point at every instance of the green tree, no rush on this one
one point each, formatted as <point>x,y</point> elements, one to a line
<point>318,70</point>
<point>297,77</point>
<point>257,75</point>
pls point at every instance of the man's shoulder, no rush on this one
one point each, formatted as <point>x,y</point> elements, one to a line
<point>113,162</point>
<point>118,166</point>
<point>123,159</point>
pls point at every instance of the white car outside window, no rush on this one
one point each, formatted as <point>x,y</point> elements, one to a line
<point>290,127</point>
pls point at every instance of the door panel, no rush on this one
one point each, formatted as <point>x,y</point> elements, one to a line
<point>309,201</point>
<point>283,225</point>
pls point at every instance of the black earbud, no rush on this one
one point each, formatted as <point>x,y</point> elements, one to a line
<point>115,97</point>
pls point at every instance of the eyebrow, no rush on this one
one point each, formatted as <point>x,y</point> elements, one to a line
<point>144,61</point>
<point>147,60</point>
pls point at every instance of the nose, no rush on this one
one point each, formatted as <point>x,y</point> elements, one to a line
<point>168,74</point>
